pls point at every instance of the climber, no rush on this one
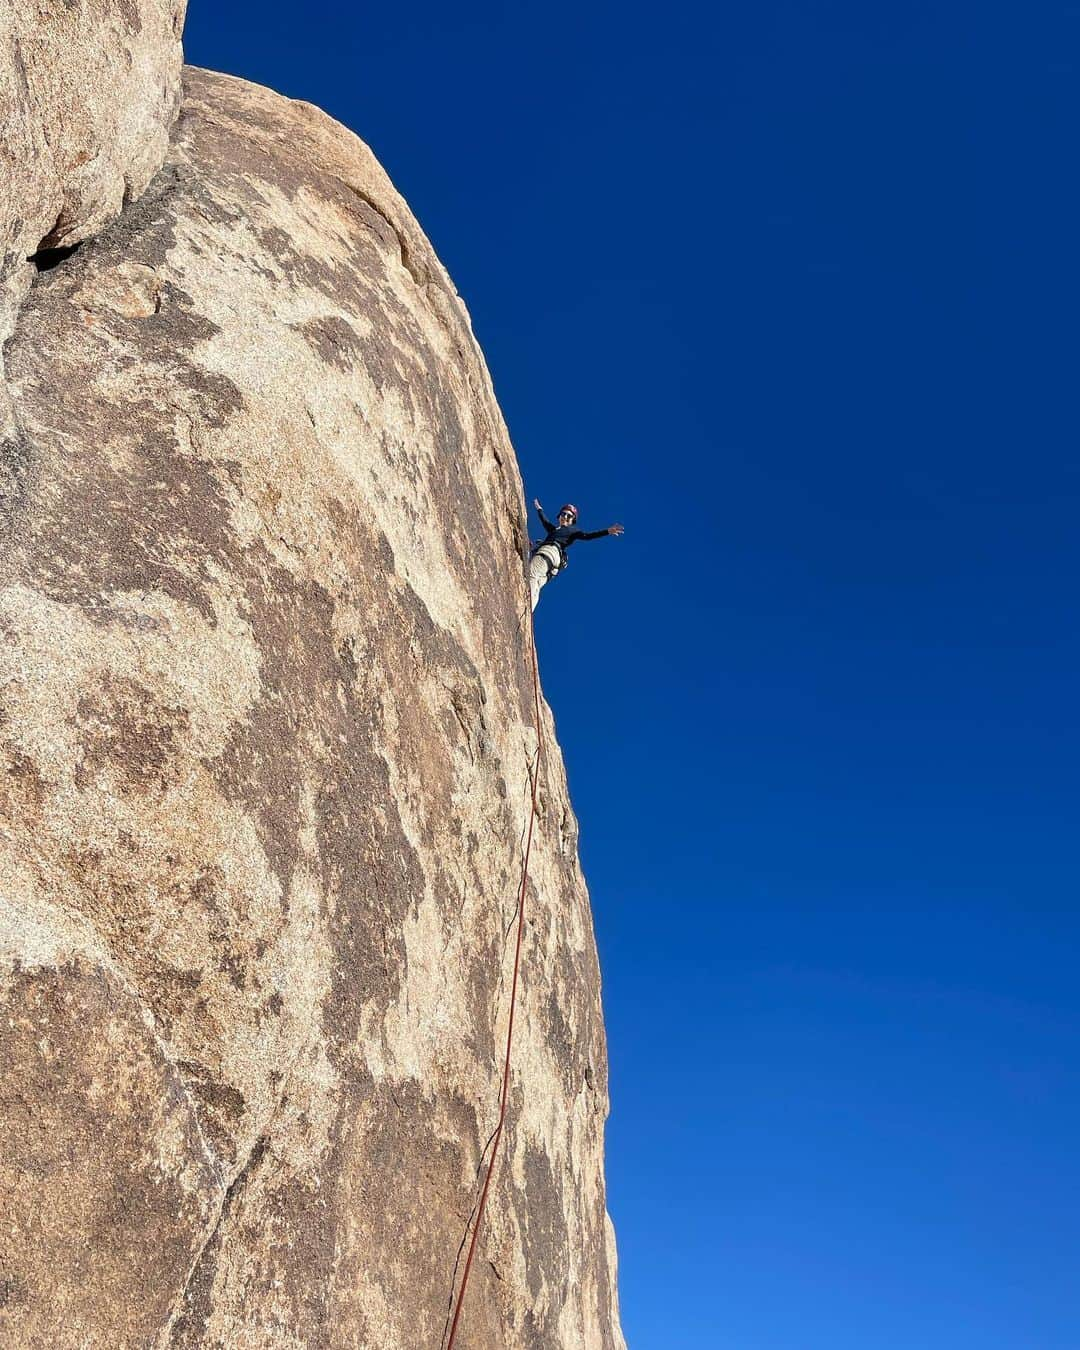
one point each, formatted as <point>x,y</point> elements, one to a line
<point>549,556</point>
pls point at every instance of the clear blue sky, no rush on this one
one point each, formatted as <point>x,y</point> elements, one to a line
<point>792,290</point>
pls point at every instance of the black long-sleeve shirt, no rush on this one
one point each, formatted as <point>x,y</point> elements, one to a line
<point>565,535</point>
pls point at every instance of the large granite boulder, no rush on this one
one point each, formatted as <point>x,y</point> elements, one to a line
<point>265,735</point>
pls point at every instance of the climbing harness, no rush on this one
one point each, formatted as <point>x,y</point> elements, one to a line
<point>497,1136</point>
<point>553,554</point>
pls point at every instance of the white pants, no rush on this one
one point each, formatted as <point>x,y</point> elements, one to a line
<point>546,557</point>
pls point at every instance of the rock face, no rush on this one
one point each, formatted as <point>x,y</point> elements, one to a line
<point>266,728</point>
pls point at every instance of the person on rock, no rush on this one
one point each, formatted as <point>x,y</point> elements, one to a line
<point>549,556</point>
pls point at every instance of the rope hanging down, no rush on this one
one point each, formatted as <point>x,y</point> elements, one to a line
<point>535,776</point>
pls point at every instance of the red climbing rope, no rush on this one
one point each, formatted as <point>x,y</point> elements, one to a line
<point>513,990</point>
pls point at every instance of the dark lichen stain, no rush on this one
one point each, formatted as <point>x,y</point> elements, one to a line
<point>543,1226</point>
<point>170,990</point>
<point>334,340</point>
<point>20,783</point>
<point>132,19</point>
<point>221,1111</point>
<point>123,726</point>
<point>235,966</point>
<point>223,1098</point>
<point>203,890</point>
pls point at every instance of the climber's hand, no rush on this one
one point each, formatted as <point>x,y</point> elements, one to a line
<point>614,529</point>
<point>536,503</point>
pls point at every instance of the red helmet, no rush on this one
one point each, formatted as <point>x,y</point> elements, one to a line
<point>571,508</point>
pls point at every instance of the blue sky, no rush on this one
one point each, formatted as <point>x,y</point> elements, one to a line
<point>792,291</point>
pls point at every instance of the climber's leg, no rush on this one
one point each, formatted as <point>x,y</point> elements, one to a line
<point>538,575</point>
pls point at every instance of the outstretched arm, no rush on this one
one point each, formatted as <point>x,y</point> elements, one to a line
<point>599,534</point>
<point>543,519</point>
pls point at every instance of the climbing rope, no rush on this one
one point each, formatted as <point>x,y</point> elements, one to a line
<point>497,1136</point>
